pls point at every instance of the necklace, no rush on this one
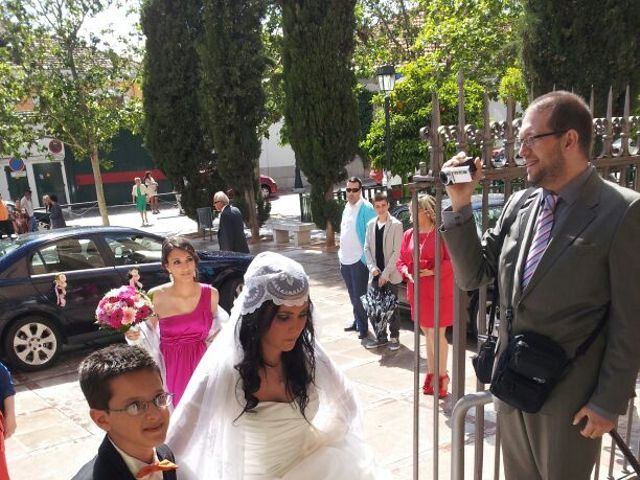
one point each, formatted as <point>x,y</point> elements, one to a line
<point>271,365</point>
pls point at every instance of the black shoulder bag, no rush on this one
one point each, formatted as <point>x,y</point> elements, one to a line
<point>531,366</point>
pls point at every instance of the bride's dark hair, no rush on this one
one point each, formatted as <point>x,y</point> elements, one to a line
<point>298,365</point>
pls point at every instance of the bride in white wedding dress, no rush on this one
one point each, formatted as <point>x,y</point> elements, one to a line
<point>266,402</point>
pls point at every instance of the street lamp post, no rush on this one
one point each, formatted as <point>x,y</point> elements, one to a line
<point>386,80</point>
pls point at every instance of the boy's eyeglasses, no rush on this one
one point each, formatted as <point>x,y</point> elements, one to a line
<point>162,400</point>
<point>352,190</point>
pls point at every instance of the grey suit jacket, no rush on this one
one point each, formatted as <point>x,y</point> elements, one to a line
<point>391,242</point>
<point>589,272</point>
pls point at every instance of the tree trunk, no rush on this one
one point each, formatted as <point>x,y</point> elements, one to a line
<point>330,232</point>
<point>250,199</point>
<point>97,177</point>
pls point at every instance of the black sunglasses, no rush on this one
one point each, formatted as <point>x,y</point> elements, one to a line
<point>352,190</point>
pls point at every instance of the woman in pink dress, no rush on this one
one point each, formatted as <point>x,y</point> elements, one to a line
<point>427,237</point>
<point>188,317</point>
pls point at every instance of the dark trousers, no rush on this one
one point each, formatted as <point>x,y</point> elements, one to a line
<point>394,321</point>
<point>356,277</point>
<point>545,447</point>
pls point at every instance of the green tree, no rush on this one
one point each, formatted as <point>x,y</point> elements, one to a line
<point>233,64</point>
<point>85,90</point>
<point>320,106</point>
<point>273,81</point>
<point>574,45</point>
<point>481,39</point>
<point>14,128</point>
<point>386,32</point>
<point>173,125</point>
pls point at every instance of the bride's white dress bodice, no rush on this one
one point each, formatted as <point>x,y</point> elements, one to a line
<point>277,437</point>
<point>280,444</point>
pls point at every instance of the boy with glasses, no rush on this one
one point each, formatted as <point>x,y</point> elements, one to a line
<point>123,387</point>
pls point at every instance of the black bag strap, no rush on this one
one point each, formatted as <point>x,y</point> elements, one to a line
<point>495,299</point>
<point>506,225</point>
<point>584,346</point>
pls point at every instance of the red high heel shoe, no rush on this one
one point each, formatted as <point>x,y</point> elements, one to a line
<point>427,388</point>
<point>442,388</point>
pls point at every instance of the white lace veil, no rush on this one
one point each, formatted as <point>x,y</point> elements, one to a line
<point>204,435</point>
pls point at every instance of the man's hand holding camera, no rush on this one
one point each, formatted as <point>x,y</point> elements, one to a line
<point>460,193</point>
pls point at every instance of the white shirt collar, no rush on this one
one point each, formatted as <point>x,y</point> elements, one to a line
<point>134,465</point>
<point>357,204</point>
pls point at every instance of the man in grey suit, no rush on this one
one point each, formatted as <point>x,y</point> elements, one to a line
<point>561,271</point>
<point>231,228</point>
<point>381,249</point>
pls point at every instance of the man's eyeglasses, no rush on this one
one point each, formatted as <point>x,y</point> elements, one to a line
<point>531,139</point>
<point>352,190</point>
<point>162,400</point>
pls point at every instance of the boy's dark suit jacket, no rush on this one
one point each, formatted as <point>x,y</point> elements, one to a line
<point>109,465</point>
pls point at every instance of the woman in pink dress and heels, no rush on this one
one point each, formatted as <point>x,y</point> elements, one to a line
<point>427,237</point>
<point>188,317</point>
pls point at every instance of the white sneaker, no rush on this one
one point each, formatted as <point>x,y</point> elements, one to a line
<point>394,344</point>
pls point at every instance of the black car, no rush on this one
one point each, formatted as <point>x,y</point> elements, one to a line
<point>33,327</point>
<point>496,203</point>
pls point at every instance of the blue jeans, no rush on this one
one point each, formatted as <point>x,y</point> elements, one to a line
<point>356,277</point>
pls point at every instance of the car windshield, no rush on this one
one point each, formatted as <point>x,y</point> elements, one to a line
<point>7,246</point>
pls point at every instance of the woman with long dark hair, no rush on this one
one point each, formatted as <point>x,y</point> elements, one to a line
<point>187,317</point>
<point>267,402</point>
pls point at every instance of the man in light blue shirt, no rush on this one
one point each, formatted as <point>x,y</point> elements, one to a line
<point>353,227</point>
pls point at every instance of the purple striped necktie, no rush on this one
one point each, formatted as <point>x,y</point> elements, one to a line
<point>541,237</point>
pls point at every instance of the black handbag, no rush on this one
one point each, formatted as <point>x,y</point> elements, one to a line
<point>531,366</point>
<point>483,360</point>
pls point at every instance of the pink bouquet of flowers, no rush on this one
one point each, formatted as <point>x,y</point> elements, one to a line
<point>123,308</point>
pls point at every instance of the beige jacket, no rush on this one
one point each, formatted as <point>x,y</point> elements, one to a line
<point>391,242</point>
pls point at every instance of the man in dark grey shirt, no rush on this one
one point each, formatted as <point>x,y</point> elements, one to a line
<point>56,218</point>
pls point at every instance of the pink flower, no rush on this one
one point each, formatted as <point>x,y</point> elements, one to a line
<point>122,307</point>
<point>128,316</point>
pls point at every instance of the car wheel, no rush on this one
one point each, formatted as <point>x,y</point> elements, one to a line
<point>229,292</point>
<point>33,343</point>
<point>42,226</point>
<point>265,190</point>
